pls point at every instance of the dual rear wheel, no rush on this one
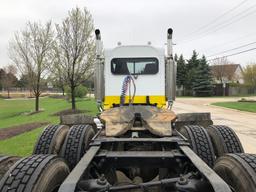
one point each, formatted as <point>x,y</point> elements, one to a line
<point>37,173</point>
<point>221,149</point>
<point>57,151</point>
<point>5,163</point>
<point>238,170</point>
<point>69,143</point>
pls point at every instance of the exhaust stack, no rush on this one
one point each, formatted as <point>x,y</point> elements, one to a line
<point>99,69</point>
<point>170,71</point>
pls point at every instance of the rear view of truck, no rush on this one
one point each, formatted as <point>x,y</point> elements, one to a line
<point>136,143</point>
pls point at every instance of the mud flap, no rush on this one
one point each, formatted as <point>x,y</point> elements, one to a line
<point>77,119</point>
<point>203,119</point>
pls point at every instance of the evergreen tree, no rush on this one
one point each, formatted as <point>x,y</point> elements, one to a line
<point>193,62</point>
<point>181,71</point>
<point>202,84</point>
<point>191,74</point>
<point>23,82</point>
<point>175,57</point>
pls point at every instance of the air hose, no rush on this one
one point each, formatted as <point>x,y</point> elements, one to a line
<point>128,80</point>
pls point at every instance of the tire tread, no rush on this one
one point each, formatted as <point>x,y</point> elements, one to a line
<point>201,143</point>
<point>21,173</point>
<point>230,141</point>
<point>72,149</point>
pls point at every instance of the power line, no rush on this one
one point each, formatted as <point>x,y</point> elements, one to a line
<point>218,18</point>
<point>227,22</point>
<point>237,53</point>
<point>234,40</point>
<point>243,14</point>
<point>232,49</point>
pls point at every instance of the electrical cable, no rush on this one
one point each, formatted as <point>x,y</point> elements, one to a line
<point>218,18</point>
<point>231,49</point>
<point>219,28</point>
<point>234,40</point>
<point>243,14</point>
<point>237,53</point>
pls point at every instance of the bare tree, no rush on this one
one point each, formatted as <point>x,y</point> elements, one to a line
<point>75,49</point>
<point>9,78</point>
<point>57,77</point>
<point>249,75</point>
<point>220,68</point>
<point>30,51</point>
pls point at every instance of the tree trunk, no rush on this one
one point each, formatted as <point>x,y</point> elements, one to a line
<point>37,103</point>
<point>73,101</point>
<point>63,91</point>
<point>8,92</point>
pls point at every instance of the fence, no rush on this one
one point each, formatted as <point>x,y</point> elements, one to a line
<point>233,90</point>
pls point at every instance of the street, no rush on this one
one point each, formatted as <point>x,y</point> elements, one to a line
<point>243,123</point>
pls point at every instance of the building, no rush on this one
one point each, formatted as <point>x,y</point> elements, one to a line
<point>228,73</point>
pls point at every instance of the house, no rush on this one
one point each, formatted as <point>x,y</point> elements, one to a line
<point>228,73</point>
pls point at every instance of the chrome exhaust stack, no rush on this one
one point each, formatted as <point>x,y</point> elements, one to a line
<point>99,70</point>
<point>170,71</point>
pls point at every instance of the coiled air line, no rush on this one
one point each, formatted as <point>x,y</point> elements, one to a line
<point>127,82</point>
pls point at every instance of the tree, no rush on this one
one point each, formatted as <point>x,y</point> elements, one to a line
<point>8,78</point>
<point>57,78</point>
<point>181,71</point>
<point>202,85</point>
<point>75,49</point>
<point>2,74</point>
<point>30,51</point>
<point>220,71</point>
<point>175,57</point>
<point>23,82</point>
<point>249,75</point>
<point>191,68</point>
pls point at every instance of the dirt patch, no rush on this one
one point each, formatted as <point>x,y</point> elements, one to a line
<point>9,132</point>
<point>69,112</point>
<point>58,96</point>
<point>247,100</point>
<point>34,112</point>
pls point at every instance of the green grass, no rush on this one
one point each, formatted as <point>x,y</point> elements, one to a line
<point>231,96</point>
<point>13,112</point>
<point>242,106</point>
<point>21,145</point>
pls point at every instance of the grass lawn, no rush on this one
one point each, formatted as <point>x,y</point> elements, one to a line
<point>21,145</point>
<point>13,112</point>
<point>242,106</point>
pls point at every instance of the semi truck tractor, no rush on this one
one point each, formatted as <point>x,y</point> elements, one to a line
<point>136,142</point>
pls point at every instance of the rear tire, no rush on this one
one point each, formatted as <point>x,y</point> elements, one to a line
<point>238,170</point>
<point>51,140</point>
<point>37,173</point>
<point>224,140</point>
<point>5,163</point>
<point>76,143</point>
<point>200,142</point>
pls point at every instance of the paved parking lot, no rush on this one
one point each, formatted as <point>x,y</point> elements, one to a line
<point>244,123</point>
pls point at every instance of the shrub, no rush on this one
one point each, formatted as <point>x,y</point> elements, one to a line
<point>80,91</point>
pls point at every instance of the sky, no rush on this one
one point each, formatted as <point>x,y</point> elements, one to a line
<point>207,26</point>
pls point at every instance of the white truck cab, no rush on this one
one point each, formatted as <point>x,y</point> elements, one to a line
<point>145,65</point>
<point>135,74</point>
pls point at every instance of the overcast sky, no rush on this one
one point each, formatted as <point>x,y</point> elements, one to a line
<point>140,21</point>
